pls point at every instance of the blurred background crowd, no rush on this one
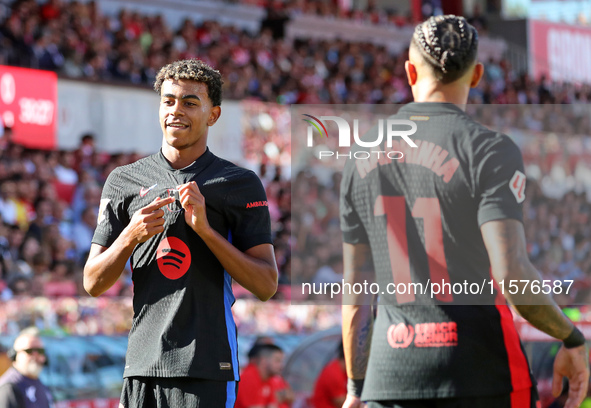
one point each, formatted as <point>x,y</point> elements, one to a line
<point>49,199</point>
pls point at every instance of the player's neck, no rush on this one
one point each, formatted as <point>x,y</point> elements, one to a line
<point>436,92</point>
<point>179,159</point>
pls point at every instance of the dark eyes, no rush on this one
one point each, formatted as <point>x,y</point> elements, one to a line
<point>170,102</point>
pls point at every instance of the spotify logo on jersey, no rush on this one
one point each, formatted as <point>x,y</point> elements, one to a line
<point>173,257</point>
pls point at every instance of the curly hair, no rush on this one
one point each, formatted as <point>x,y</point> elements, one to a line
<point>449,45</point>
<point>195,70</point>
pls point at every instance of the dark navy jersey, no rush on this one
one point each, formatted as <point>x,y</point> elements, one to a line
<point>182,297</point>
<point>421,216</point>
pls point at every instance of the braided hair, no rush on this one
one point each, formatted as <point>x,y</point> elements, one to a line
<point>195,70</point>
<point>448,44</point>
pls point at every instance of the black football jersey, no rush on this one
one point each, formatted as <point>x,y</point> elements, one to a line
<point>182,296</point>
<point>421,215</point>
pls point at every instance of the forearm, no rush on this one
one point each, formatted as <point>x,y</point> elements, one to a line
<point>357,310</point>
<point>538,309</point>
<point>258,276</point>
<point>509,262</point>
<point>105,265</point>
<point>357,331</point>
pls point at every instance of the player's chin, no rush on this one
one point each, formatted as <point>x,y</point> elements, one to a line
<point>178,143</point>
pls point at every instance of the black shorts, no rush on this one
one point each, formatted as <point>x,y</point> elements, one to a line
<point>155,392</point>
<point>527,398</point>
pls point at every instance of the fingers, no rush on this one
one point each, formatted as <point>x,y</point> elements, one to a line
<point>189,185</point>
<point>190,194</point>
<point>156,204</point>
<point>576,393</point>
<point>556,384</point>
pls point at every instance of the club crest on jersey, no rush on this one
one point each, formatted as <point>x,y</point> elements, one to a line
<point>144,191</point>
<point>102,209</point>
<point>517,186</point>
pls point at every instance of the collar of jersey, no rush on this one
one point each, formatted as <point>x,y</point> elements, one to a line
<point>431,107</point>
<point>202,162</point>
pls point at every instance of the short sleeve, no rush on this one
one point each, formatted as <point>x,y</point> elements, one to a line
<point>112,217</point>
<point>351,225</point>
<point>500,178</point>
<point>247,210</point>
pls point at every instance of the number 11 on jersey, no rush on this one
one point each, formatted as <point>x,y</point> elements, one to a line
<point>394,208</point>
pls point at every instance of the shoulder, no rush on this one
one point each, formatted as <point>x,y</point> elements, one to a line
<point>478,136</point>
<point>233,175</point>
<point>489,143</point>
<point>9,390</point>
<point>123,176</point>
<point>133,168</point>
<point>9,377</point>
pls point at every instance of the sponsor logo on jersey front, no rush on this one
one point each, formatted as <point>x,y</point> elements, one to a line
<point>173,257</point>
<point>440,334</point>
<point>517,186</point>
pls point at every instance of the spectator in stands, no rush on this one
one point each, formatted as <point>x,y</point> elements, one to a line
<point>256,388</point>
<point>64,170</point>
<point>20,386</point>
<point>280,387</point>
<point>330,390</point>
<point>83,231</point>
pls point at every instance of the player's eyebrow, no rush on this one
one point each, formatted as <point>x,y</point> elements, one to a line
<point>190,96</point>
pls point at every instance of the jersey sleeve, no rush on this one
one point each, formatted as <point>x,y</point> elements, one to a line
<point>351,225</point>
<point>112,217</point>
<point>500,180</point>
<point>247,210</point>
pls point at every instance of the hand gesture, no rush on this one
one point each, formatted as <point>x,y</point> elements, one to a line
<point>194,204</point>
<point>148,221</point>
<point>353,402</point>
<point>573,364</point>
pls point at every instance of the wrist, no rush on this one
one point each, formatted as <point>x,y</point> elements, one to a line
<point>575,339</point>
<point>127,239</point>
<point>205,232</point>
<point>355,386</point>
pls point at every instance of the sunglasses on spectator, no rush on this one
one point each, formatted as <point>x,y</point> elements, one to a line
<point>33,350</point>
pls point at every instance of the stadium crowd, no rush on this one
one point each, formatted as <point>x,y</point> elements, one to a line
<point>49,200</point>
<point>78,41</point>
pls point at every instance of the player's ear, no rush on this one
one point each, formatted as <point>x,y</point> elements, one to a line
<point>476,75</point>
<point>214,115</point>
<point>411,72</point>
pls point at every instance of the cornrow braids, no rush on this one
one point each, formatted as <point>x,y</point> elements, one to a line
<point>448,43</point>
<point>195,70</point>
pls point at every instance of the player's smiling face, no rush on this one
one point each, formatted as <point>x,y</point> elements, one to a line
<point>185,114</point>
